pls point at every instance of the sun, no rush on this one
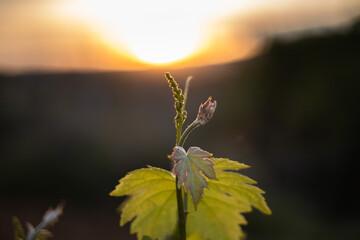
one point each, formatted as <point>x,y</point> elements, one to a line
<point>161,45</point>
<point>156,31</point>
<point>155,37</point>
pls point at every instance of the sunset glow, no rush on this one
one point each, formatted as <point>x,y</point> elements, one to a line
<point>158,31</point>
<point>140,34</point>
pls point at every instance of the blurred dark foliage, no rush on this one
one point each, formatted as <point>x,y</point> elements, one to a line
<point>291,113</point>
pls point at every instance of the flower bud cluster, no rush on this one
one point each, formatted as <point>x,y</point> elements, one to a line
<point>179,97</point>
<point>206,111</point>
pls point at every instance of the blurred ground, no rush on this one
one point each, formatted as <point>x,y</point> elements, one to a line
<point>291,113</point>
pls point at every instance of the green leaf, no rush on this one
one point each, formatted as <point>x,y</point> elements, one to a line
<point>152,201</point>
<point>218,215</point>
<point>190,167</point>
<point>18,229</point>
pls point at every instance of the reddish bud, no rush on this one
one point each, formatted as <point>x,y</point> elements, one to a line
<point>206,111</point>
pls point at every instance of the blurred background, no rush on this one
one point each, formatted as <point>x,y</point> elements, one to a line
<point>83,100</point>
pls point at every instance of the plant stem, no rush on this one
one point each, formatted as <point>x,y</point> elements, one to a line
<point>187,131</point>
<point>182,202</point>
<point>34,234</point>
<point>178,134</point>
<point>186,204</point>
<point>179,197</point>
<point>181,212</point>
<point>182,199</point>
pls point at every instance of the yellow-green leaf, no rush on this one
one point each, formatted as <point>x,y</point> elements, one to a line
<point>218,215</point>
<point>152,203</point>
<point>152,200</point>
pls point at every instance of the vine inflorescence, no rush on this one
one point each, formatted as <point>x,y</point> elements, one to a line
<point>179,105</point>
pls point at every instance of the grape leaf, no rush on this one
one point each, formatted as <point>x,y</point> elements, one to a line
<point>219,213</point>
<point>152,202</point>
<point>189,167</point>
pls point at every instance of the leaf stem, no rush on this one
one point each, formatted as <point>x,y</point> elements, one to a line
<point>187,131</point>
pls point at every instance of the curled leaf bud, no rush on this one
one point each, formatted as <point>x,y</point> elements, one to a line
<point>206,111</point>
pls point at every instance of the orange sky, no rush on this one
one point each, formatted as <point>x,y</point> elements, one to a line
<point>60,35</point>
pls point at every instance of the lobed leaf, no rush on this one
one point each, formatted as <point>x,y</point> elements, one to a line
<point>219,214</point>
<point>152,200</point>
<point>191,167</point>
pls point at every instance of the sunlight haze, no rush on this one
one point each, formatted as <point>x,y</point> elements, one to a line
<point>129,35</point>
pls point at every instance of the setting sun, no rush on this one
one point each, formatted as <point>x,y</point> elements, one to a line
<point>158,31</point>
<point>101,35</point>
